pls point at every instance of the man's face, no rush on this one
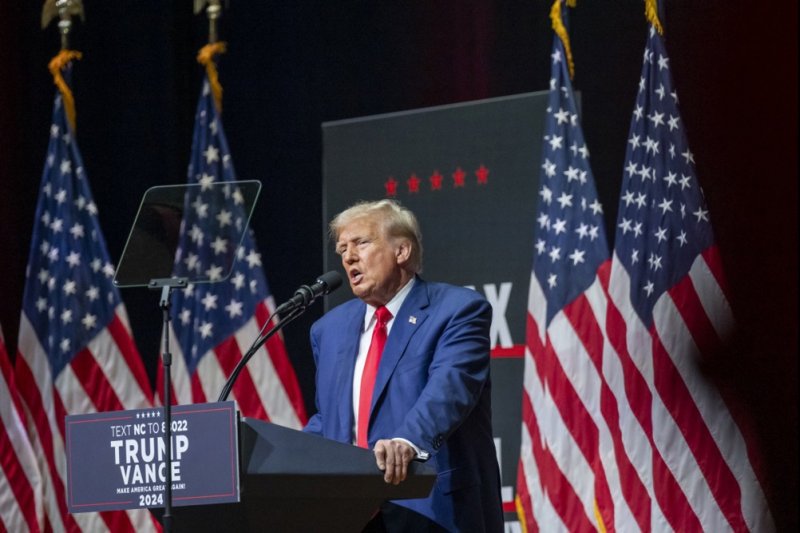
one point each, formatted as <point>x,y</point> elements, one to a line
<point>372,260</point>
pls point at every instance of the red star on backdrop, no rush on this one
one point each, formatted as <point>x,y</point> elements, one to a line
<point>483,175</point>
<point>458,177</point>
<point>391,187</point>
<point>413,183</point>
<point>436,181</point>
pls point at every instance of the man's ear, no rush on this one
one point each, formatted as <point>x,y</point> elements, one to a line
<point>402,251</point>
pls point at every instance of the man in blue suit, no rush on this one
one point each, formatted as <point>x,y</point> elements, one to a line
<point>404,370</point>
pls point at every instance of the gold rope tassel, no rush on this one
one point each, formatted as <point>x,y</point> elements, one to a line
<point>57,64</point>
<point>206,58</point>
<point>561,31</point>
<point>651,12</point>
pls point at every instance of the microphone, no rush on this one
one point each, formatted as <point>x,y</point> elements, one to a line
<point>305,295</point>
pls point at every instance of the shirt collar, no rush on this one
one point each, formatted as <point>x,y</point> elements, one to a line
<point>393,305</point>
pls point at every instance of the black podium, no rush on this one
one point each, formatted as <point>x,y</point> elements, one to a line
<point>295,482</point>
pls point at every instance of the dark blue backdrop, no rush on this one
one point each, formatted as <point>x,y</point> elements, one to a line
<point>292,65</point>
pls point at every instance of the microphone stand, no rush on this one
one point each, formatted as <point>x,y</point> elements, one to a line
<point>166,285</point>
<point>293,313</point>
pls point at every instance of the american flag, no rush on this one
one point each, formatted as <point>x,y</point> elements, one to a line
<point>20,482</point>
<point>564,482</point>
<point>668,311</point>
<point>215,323</point>
<point>76,354</point>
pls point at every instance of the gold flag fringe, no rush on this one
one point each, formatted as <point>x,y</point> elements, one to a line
<point>561,31</point>
<point>56,65</point>
<point>651,12</point>
<point>206,58</point>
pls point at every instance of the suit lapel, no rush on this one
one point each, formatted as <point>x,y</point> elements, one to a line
<point>408,320</point>
<point>345,362</point>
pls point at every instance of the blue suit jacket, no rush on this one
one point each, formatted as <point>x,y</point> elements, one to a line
<point>432,388</point>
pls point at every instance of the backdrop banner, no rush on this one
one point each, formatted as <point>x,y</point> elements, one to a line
<point>470,173</point>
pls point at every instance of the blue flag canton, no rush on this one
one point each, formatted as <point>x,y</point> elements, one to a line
<point>69,294</point>
<point>570,241</point>
<point>206,314</point>
<point>663,223</point>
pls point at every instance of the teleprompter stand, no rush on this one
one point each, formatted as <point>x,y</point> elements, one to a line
<point>154,257</point>
<point>296,482</point>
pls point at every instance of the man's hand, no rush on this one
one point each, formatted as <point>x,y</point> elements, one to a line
<point>393,457</point>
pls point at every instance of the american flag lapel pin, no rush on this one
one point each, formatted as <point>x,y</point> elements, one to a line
<point>412,319</point>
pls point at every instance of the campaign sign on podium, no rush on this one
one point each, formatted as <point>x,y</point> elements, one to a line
<point>116,460</point>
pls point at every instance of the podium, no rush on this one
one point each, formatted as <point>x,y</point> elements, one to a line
<point>296,482</point>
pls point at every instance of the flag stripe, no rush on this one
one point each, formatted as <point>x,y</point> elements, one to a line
<point>669,494</point>
<point>21,511</point>
<point>124,343</point>
<point>245,390</point>
<point>591,335</point>
<point>559,490</point>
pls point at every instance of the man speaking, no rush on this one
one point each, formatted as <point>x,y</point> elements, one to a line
<point>404,370</point>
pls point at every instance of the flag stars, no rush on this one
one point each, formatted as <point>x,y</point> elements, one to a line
<point>544,220</point>
<point>632,168</point>
<point>555,142</point>
<point>206,330</point>
<point>641,200</point>
<point>661,234</point>
<point>70,287</point>
<point>565,200</point>
<point>93,293</point>
<point>64,345</point>
<point>665,205</point>
<point>638,111</point>
<point>682,238</point>
<point>685,181</point>
<point>52,255</point>
<point>625,225</point>
<point>654,261</point>
<point>57,225</point>
<point>671,178</point>
<point>577,256</point>
<point>540,246</point>
<point>234,308</point>
<point>76,231</point>
<point>185,316</point>
<point>637,229</point>
<point>206,182</point>
<point>673,123</point>
<point>200,208</point>
<point>61,196</point>
<point>549,168</point>
<point>689,156</point>
<point>211,154</point>
<point>66,316</point>
<point>596,207</point>
<point>701,214</point>
<point>196,234</point>
<point>65,167</point>
<point>661,92</point>
<point>584,151</point>
<point>628,198</point>
<point>238,280</point>
<point>74,259</point>
<point>582,230</point>
<point>546,194</point>
<point>41,304</point>
<point>634,257</point>
<point>552,281</point>
<point>214,273</point>
<point>209,301</point>
<point>560,226</point>
<point>562,116</point>
<point>219,245</point>
<point>649,288</point>
<point>253,259</point>
<point>634,142</point>
<point>192,261</point>
<point>43,276</point>
<point>89,321</point>
<point>554,253</point>
<point>108,270</point>
<point>594,232</point>
<point>571,173</point>
<point>657,119</point>
<point>663,62</point>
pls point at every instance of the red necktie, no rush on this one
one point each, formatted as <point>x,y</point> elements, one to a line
<point>370,371</point>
